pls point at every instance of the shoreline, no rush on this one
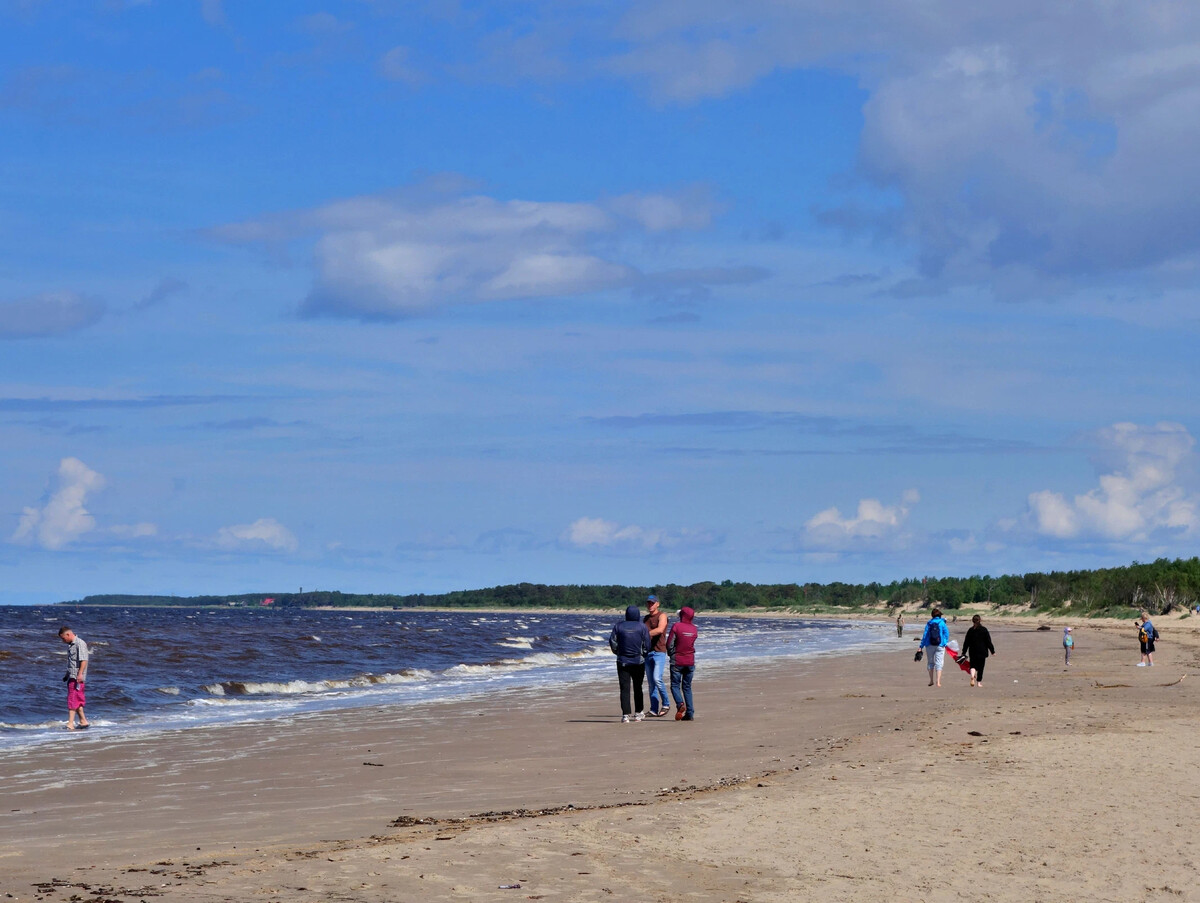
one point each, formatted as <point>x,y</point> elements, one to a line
<point>1183,619</point>
<point>857,741</point>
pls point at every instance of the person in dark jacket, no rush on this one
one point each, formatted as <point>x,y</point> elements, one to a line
<point>630,641</point>
<point>978,646</point>
<point>681,646</point>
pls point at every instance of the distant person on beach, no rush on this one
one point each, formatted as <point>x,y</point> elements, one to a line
<point>77,665</point>
<point>681,646</point>
<point>1147,634</point>
<point>656,661</point>
<point>1068,645</point>
<point>630,641</point>
<point>900,624</point>
<point>933,642</point>
<point>977,644</point>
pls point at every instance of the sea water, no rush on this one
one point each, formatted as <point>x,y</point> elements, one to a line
<point>164,668</point>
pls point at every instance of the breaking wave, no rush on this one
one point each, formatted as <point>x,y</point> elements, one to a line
<point>303,687</point>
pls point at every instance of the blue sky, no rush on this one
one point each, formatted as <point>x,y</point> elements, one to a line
<point>416,296</point>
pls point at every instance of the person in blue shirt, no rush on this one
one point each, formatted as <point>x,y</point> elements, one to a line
<point>933,642</point>
<point>1146,637</point>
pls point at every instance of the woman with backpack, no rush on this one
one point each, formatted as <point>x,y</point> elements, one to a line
<point>933,644</point>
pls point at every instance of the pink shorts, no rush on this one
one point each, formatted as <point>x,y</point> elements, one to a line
<point>75,697</point>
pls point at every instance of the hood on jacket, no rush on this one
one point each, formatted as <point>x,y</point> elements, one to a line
<point>632,613</point>
<point>686,614</point>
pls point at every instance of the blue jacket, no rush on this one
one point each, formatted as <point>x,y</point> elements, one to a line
<point>936,633</point>
<point>630,640</point>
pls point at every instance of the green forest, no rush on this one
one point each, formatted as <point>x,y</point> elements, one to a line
<point>1159,587</point>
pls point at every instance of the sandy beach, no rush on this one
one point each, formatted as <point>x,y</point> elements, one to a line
<point>837,778</point>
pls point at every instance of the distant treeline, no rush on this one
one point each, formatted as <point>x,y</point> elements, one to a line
<point>1159,588</point>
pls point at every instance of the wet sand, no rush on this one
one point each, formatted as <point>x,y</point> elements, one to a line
<point>838,778</point>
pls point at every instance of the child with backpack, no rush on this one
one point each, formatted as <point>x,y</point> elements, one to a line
<point>1147,634</point>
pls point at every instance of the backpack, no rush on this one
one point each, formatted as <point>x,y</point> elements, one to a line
<point>935,635</point>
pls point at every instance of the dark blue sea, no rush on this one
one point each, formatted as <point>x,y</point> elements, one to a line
<point>158,669</point>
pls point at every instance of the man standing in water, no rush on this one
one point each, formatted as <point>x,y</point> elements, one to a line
<point>77,664</point>
<point>656,660</point>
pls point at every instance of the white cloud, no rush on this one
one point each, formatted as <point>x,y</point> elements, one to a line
<point>213,12</point>
<point>394,255</point>
<point>1027,144</point>
<point>1141,496</point>
<point>63,518</point>
<point>597,534</point>
<point>51,313</point>
<point>873,525</point>
<point>134,531</point>
<point>264,533</point>
<point>395,66</point>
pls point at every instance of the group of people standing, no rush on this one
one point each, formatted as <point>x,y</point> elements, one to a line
<point>643,647</point>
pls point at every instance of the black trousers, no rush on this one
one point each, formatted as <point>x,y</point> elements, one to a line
<point>977,664</point>
<point>631,677</point>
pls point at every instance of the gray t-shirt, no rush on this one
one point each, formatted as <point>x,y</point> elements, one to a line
<point>77,651</point>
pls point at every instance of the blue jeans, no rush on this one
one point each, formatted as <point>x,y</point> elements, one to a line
<point>656,669</point>
<point>681,677</point>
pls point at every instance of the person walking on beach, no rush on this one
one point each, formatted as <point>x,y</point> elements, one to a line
<point>1068,645</point>
<point>656,660</point>
<point>77,665</point>
<point>1147,634</point>
<point>900,624</point>
<point>681,646</point>
<point>977,644</point>
<point>933,642</point>
<point>630,641</point>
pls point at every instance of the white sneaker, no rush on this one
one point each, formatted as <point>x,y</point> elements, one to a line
<point>1141,664</point>
<point>624,719</point>
<point>640,716</point>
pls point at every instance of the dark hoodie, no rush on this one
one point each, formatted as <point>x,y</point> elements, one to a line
<point>681,643</point>
<point>630,640</point>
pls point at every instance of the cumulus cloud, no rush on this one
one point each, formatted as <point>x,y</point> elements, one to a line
<point>265,533</point>
<point>63,517</point>
<point>399,254</point>
<point>874,524</point>
<point>48,314</point>
<point>597,534</point>
<point>134,531</point>
<point>162,290</point>
<point>1027,145</point>
<point>396,66</point>
<point>213,12</point>
<point>1140,497</point>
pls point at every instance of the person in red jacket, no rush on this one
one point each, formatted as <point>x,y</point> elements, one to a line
<point>681,646</point>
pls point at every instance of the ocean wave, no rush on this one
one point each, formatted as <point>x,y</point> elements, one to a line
<point>39,726</point>
<point>519,642</point>
<point>306,687</point>
<point>170,691</point>
<point>538,659</point>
